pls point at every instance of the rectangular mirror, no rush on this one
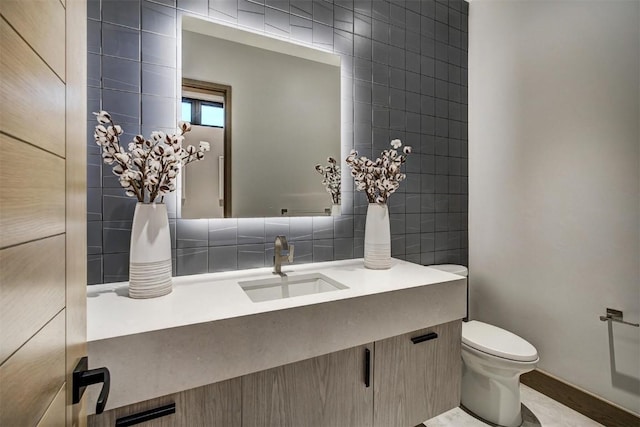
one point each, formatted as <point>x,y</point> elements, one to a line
<point>270,110</point>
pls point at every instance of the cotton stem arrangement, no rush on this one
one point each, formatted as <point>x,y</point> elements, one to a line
<point>381,177</point>
<point>148,169</point>
<point>331,179</point>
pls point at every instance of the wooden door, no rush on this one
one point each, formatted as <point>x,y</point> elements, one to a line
<point>42,209</point>
<point>416,381</point>
<point>328,391</point>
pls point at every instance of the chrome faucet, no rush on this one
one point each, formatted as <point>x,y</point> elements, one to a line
<point>283,251</point>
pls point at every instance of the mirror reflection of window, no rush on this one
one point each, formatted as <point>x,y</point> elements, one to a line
<point>186,110</point>
<point>212,115</point>
<point>203,113</point>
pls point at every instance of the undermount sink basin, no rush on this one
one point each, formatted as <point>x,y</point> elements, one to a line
<point>289,286</point>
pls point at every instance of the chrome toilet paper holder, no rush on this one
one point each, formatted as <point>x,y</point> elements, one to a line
<point>614,315</point>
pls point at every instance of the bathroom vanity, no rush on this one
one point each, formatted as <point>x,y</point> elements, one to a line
<point>357,347</point>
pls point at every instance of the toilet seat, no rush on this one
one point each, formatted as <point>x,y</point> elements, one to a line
<point>497,342</point>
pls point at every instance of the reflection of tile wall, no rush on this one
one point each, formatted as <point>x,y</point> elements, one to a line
<point>404,76</point>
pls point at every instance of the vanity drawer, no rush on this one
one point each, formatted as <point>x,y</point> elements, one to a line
<point>214,405</point>
<point>417,375</point>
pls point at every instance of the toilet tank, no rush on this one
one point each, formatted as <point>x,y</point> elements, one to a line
<point>460,270</point>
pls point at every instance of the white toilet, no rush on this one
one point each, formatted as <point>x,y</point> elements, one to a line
<point>493,360</point>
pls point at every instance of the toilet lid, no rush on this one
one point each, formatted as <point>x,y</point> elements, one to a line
<point>497,342</point>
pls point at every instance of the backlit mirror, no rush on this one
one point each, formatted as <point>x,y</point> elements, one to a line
<point>270,111</point>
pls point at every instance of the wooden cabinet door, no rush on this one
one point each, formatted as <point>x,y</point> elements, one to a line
<point>213,405</point>
<point>415,382</point>
<point>328,390</point>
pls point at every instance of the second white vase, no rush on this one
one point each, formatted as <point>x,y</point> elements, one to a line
<point>150,252</point>
<point>377,238</point>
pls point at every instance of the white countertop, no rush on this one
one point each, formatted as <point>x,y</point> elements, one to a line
<point>208,330</point>
<point>215,296</point>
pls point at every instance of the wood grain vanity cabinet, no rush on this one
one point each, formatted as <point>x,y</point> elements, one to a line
<point>417,375</point>
<point>411,378</point>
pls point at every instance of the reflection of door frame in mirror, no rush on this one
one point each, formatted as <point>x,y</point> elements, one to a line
<point>224,91</point>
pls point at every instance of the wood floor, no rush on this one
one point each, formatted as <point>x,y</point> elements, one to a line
<point>576,399</point>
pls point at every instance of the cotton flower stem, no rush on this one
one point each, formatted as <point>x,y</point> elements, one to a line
<point>115,144</point>
<point>139,192</point>
<point>150,166</point>
<point>163,173</point>
<point>140,187</point>
<point>381,177</point>
<point>156,187</point>
<point>153,191</point>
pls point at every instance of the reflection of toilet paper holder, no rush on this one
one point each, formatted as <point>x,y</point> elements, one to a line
<point>614,315</point>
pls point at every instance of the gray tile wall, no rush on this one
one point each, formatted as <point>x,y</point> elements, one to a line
<point>404,76</point>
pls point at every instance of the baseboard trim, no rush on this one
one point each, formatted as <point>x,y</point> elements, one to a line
<point>580,401</point>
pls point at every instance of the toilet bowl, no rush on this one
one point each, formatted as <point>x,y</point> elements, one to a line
<point>493,360</point>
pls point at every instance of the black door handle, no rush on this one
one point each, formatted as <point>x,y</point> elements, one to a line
<point>367,367</point>
<point>83,377</point>
<point>151,414</point>
<point>425,337</point>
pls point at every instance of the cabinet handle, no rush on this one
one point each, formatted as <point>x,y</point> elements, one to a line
<point>367,367</point>
<point>83,377</point>
<point>425,337</point>
<point>141,417</point>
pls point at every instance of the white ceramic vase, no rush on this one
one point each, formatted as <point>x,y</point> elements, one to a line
<point>377,238</point>
<point>150,252</point>
<point>335,210</point>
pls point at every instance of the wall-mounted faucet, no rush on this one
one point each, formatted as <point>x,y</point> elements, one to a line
<point>282,251</point>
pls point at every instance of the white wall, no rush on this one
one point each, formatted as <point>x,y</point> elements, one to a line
<point>554,183</point>
<point>273,158</point>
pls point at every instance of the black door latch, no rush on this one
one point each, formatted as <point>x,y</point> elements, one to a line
<point>83,377</point>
